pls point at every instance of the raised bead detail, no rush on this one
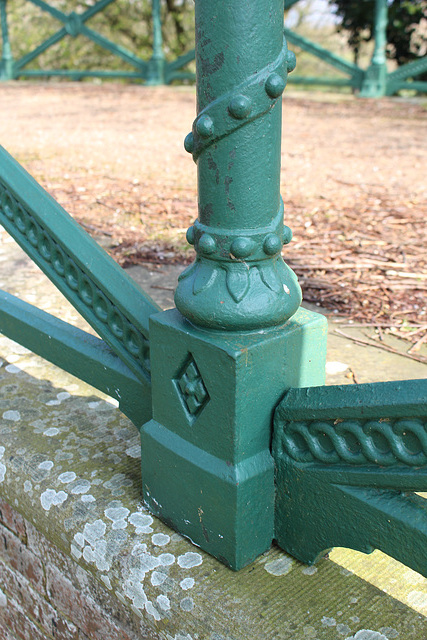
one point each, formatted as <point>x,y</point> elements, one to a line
<point>241,247</point>
<point>240,107</point>
<point>272,244</point>
<point>275,85</point>
<point>190,235</point>
<point>287,235</point>
<point>205,127</point>
<point>207,244</point>
<point>291,61</point>
<point>189,143</point>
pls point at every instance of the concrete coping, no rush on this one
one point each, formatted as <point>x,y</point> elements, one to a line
<point>70,463</point>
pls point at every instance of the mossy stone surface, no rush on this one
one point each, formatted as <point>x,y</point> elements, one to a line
<point>70,463</point>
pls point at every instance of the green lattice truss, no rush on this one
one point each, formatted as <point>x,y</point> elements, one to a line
<point>372,82</point>
<point>154,71</point>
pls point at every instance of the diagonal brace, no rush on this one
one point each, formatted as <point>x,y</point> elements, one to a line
<point>74,24</point>
<point>81,354</point>
<point>95,285</point>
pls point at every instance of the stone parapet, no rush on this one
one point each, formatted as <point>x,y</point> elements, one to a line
<point>81,558</point>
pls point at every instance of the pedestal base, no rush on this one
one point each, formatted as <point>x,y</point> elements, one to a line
<point>206,465</point>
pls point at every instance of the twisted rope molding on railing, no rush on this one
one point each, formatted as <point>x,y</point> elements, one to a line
<point>381,442</point>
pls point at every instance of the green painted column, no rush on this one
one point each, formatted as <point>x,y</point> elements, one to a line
<point>375,82</point>
<point>6,63</point>
<point>239,279</point>
<point>222,360</point>
<point>156,65</point>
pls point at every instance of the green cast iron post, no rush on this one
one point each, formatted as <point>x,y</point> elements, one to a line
<point>6,63</point>
<point>223,358</point>
<point>239,279</point>
<point>375,81</point>
<point>156,65</point>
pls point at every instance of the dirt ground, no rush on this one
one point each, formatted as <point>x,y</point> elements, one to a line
<point>353,182</point>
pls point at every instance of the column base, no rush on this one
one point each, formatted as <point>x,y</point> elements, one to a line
<point>207,469</point>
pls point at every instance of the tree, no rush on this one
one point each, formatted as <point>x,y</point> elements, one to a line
<point>128,23</point>
<point>406,18</point>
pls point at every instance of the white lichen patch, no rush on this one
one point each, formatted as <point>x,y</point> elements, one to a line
<point>96,550</point>
<point>187,583</point>
<point>51,498</point>
<point>160,539</point>
<point>163,602</point>
<point>46,465</point>
<point>390,633</point>
<point>133,587</point>
<point>187,604</point>
<point>190,560</point>
<point>79,539</point>
<point>166,559</point>
<point>134,451</point>
<point>279,566</point>
<point>97,554</point>
<point>139,549</point>
<point>93,532</point>
<point>81,486</point>
<point>52,431</point>
<point>118,516</point>
<point>2,466</point>
<point>106,580</point>
<point>142,522</point>
<point>152,611</point>
<point>67,477</point>
<point>75,552</point>
<point>88,497</point>
<point>13,416</point>
<point>309,571</point>
<point>28,486</point>
<point>343,629</point>
<point>63,395</point>
<point>94,404</point>
<point>3,599</point>
<point>329,622</point>
<point>367,634</point>
<point>118,483</point>
<point>12,368</point>
<point>158,578</point>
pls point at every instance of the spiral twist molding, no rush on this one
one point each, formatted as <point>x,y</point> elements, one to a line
<point>380,442</point>
<point>59,264</point>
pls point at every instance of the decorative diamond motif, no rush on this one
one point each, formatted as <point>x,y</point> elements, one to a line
<point>191,388</point>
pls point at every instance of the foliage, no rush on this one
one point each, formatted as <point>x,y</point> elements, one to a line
<point>406,18</point>
<point>127,23</point>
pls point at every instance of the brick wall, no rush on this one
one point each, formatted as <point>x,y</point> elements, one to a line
<point>45,596</point>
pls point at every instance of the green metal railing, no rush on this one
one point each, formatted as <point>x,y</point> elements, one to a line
<point>241,442</point>
<point>373,82</point>
<point>155,71</point>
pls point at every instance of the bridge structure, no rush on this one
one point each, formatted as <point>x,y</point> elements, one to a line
<point>373,82</point>
<point>241,442</point>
